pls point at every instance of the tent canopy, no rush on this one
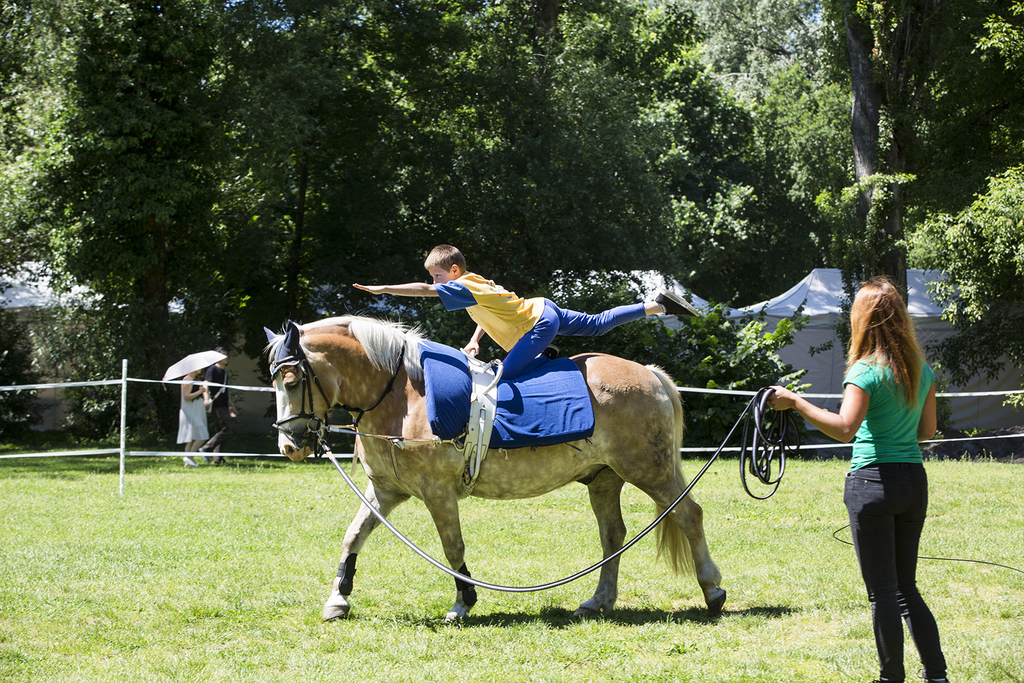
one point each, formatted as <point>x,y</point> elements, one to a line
<point>821,294</point>
<point>818,349</point>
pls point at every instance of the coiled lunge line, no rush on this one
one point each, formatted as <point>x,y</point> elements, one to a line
<point>769,442</point>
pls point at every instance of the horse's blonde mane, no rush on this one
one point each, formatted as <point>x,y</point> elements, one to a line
<point>382,340</point>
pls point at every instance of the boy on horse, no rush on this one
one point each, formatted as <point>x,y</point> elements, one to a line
<point>525,328</point>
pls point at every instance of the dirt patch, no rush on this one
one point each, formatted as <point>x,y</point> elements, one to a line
<point>1002,445</point>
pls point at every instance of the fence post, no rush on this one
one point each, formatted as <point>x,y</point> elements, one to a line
<point>124,412</point>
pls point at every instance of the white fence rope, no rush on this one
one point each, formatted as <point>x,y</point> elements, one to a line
<point>123,452</point>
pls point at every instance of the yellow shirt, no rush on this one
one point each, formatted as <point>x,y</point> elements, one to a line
<point>504,316</point>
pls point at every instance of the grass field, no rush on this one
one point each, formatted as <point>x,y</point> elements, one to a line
<point>219,574</point>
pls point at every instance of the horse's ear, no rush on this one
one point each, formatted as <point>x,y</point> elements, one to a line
<point>291,340</point>
<point>270,335</point>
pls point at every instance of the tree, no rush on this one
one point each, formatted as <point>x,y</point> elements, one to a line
<point>760,228</point>
<point>982,257</point>
<point>930,121</point>
<point>127,187</point>
<point>978,248</point>
<point>749,43</point>
<point>890,48</point>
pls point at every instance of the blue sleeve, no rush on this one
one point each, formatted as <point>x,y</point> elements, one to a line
<point>455,296</point>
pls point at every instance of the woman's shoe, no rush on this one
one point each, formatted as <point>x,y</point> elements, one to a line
<point>189,462</point>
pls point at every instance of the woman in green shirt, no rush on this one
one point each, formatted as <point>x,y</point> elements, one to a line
<point>888,407</point>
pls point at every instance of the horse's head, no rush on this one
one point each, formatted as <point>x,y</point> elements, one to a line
<point>350,362</point>
<point>301,410</point>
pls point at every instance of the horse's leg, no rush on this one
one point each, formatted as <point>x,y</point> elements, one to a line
<point>359,530</point>
<point>605,499</point>
<point>690,518</point>
<point>444,510</point>
<point>688,527</point>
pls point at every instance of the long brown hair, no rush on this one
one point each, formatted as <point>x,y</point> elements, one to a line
<point>882,332</point>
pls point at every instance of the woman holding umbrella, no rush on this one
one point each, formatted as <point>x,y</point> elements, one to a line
<point>192,427</point>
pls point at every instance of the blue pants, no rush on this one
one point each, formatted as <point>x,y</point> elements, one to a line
<point>525,355</point>
<point>887,505</point>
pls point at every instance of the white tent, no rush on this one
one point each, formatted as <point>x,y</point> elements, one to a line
<point>821,293</point>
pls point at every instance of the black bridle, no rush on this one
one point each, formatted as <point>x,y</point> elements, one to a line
<point>291,354</point>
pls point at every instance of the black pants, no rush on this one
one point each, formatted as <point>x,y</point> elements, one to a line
<point>887,506</point>
<point>222,417</point>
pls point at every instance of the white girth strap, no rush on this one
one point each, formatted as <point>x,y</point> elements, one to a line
<point>482,406</point>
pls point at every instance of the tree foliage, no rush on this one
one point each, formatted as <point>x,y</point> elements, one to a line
<point>982,251</point>
<point>205,169</point>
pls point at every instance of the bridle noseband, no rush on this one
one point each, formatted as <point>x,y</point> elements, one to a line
<point>291,354</point>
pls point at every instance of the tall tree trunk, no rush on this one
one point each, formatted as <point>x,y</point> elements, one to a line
<point>864,122</point>
<point>547,20</point>
<point>546,38</point>
<point>294,267</point>
<point>894,262</point>
<point>867,102</point>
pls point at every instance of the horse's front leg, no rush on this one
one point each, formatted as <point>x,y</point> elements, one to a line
<point>605,500</point>
<point>359,530</point>
<point>444,509</point>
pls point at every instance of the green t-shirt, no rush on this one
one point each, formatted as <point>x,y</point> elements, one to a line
<point>889,430</point>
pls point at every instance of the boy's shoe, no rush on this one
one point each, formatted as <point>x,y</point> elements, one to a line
<point>207,459</point>
<point>218,460</point>
<point>189,462</point>
<point>551,352</point>
<point>675,305</point>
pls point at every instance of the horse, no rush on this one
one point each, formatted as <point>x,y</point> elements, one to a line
<point>638,430</point>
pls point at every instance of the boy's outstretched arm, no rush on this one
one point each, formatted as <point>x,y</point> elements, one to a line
<point>408,289</point>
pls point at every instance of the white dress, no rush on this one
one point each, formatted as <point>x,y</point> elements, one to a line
<point>192,420</point>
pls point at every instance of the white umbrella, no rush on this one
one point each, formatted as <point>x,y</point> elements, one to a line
<point>193,362</point>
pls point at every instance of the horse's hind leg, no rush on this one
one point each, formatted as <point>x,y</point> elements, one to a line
<point>690,519</point>
<point>605,499</point>
<point>688,529</point>
<point>359,530</point>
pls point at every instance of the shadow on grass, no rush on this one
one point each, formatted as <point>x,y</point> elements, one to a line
<point>559,618</point>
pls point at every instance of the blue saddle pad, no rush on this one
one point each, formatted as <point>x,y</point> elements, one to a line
<point>542,408</point>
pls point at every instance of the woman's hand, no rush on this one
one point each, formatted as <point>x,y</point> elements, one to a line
<point>782,398</point>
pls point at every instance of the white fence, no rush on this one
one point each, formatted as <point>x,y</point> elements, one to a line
<point>124,453</point>
<point>122,450</point>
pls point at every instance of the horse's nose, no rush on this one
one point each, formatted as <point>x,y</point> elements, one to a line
<point>293,453</point>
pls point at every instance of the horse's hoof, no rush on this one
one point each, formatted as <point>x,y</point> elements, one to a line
<point>583,612</point>
<point>715,604</point>
<point>459,611</point>
<point>336,608</point>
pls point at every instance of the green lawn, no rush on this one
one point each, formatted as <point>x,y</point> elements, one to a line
<point>219,574</point>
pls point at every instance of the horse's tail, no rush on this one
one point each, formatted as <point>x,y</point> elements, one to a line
<point>672,542</point>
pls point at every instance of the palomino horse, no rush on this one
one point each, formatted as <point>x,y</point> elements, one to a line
<point>356,361</point>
